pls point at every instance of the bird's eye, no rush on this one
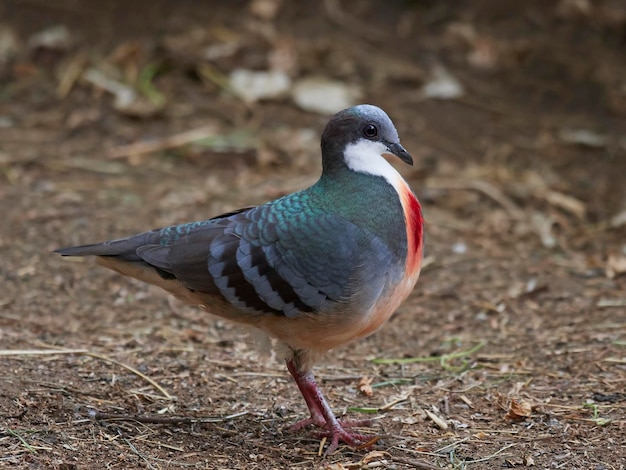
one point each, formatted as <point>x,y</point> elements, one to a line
<point>370,131</point>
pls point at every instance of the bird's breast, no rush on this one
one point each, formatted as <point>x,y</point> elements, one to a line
<point>395,293</point>
<point>414,222</point>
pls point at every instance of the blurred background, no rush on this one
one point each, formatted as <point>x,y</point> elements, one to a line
<point>121,116</point>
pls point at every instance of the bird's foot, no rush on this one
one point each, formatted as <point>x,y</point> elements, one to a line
<point>356,423</point>
<point>339,431</point>
<point>323,417</point>
<point>320,422</point>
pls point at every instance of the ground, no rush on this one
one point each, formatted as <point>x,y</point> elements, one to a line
<point>511,351</point>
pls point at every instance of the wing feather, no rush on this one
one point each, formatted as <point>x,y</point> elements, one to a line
<point>283,258</point>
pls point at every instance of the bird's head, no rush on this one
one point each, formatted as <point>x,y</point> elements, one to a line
<point>357,138</point>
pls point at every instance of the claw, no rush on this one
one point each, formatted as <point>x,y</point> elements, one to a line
<point>339,434</point>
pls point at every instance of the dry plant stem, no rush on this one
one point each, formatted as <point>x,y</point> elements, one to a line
<point>169,142</point>
<point>162,419</point>
<point>488,189</point>
<point>414,463</point>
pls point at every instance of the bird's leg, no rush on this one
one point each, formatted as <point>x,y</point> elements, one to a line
<point>321,413</point>
<point>309,390</point>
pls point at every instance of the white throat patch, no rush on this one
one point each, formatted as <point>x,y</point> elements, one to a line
<point>365,156</point>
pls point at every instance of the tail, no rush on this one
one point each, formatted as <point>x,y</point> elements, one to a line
<point>174,258</point>
<point>124,249</point>
<point>134,257</point>
<point>122,255</point>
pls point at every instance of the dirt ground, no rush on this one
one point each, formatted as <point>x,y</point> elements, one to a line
<point>511,351</point>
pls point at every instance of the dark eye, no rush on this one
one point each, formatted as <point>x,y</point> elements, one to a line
<point>370,131</point>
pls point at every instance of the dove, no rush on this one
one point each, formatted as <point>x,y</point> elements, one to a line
<point>313,270</point>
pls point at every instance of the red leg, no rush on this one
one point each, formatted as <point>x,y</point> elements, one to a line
<point>322,415</point>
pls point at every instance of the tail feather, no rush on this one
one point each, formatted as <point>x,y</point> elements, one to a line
<point>123,248</point>
<point>135,257</point>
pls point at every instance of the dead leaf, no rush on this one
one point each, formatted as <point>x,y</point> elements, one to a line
<point>543,225</point>
<point>69,73</point>
<point>324,96</point>
<point>529,461</point>
<point>127,101</point>
<point>442,85</point>
<point>265,9</point>
<point>365,386</point>
<point>615,265</point>
<point>253,85</point>
<point>9,44</point>
<point>583,137</point>
<point>519,409</point>
<point>374,455</point>
<point>618,219</point>
<point>56,38</point>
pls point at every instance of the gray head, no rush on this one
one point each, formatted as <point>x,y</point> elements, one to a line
<point>357,137</point>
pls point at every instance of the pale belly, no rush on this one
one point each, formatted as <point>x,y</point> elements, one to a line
<point>321,332</point>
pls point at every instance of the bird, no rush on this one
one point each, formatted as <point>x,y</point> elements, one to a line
<point>313,270</point>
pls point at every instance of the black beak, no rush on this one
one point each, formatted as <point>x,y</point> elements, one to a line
<point>399,151</point>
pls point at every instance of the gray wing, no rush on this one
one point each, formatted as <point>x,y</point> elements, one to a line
<point>283,258</point>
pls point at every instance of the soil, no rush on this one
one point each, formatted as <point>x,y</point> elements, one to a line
<point>511,351</point>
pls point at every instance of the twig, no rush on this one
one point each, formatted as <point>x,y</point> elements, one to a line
<point>450,446</point>
<point>415,463</point>
<point>172,141</point>
<point>441,423</point>
<point>489,457</point>
<point>481,186</point>
<point>39,352</point>
<point>393,403</point>
<point>162,419</point>
<point>130,369</point>
<point>134,449</point>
